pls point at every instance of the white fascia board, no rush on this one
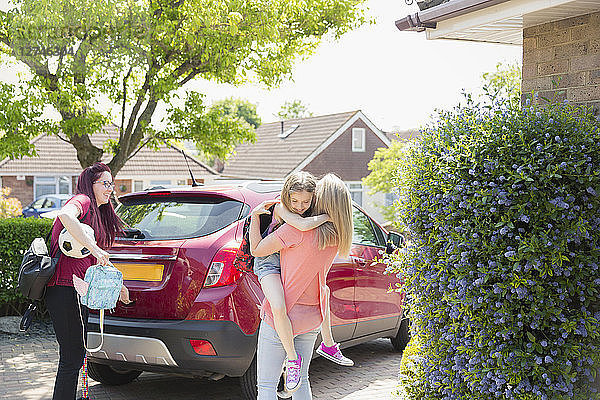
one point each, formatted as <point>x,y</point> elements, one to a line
<point>499,12</point>
<point>375,130</point>
<point>337,134</point>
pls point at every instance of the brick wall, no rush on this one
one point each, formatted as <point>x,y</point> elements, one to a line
<point>21,189</point>
<point>561,60</point>
<point>339,158</point>
<point>123,186</point>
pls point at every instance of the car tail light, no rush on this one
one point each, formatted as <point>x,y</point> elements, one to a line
<point>159,193</point>
<point>203,347</point>
<point>221,271</point>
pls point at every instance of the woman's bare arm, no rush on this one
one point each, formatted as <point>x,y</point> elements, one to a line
<point>297,221</point>
<point>68,216</point>
<point>260,247</point>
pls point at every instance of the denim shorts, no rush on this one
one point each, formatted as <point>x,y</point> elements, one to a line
<point>266,265</point>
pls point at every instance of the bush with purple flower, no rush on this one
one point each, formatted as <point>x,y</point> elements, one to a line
<point>501,273</point>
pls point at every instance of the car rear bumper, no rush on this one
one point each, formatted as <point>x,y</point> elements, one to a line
<point>164,346</point>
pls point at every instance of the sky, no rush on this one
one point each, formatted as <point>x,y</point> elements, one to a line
<point>396,78</point>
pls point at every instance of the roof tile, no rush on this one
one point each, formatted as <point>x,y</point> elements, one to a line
<point>56,156</point>
<point>283,155</point>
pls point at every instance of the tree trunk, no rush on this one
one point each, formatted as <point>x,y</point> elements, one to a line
<point>123,154</point>
<point>87,153</point>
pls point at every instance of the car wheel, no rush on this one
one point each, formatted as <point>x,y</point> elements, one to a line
<point>402,338</point>
<point>110,376</point>
<point>248,383</point>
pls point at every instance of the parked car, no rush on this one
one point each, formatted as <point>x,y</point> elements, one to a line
<point>193,313</point>
<point>46,203</point>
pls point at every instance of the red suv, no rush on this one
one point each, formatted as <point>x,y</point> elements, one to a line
<point>195,314</point>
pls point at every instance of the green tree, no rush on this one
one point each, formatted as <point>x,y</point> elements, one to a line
<point>504,84</point>
<point>501,86</point>
<point>382,167</point>
<point>217,123</point>
<point>294,109</point>
<point>238,109</point>
<point>134,56</point>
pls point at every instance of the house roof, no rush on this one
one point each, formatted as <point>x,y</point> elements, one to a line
<point>495,21</point>
<point>425,4</point>
<point>274,157</point>
<point>403,135</point>
<point>55,156</point>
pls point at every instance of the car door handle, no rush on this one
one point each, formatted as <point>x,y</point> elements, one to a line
<point>360,261</point>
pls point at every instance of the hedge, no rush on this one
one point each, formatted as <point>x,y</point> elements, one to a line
<point>16,234</point>
<point>502,277</point>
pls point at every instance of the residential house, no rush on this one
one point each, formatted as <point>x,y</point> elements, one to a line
<point>342,143</point>
<point>560,39</point>
<point>55,168</point>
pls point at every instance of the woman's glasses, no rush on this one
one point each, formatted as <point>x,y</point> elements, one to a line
<point>107,184</point>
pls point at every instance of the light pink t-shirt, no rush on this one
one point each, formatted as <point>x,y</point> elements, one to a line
<point>303,273</point>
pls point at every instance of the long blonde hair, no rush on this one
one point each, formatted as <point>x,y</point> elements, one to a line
<point>332,197</point>
<point>300,181</point>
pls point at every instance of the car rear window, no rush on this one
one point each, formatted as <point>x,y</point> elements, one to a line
<point>177,218</point>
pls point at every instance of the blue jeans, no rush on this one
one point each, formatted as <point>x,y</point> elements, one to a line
<point>266,265</point>
<point>270,358</point>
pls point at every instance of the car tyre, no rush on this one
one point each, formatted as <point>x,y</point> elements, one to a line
<point>402,338</point>
<point>109,376</point>
<point>248,383</point>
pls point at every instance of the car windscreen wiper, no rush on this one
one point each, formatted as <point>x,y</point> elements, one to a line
<point>133,233</point>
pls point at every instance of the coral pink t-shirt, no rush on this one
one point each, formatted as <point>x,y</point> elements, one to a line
<point>303,273</point>
<point>67,266</point>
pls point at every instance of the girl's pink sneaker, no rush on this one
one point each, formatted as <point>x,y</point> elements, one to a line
<point>334,354</point>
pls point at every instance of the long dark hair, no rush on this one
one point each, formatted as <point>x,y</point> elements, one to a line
<point>104,220</point>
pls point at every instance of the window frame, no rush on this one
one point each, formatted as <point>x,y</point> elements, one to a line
<point>362,133</point>
<point>39,180</point>
<point>355,190</point>
<point>354,208</point>
<point>135,183</point>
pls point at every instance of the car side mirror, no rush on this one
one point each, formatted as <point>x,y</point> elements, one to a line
<point>394,241</point>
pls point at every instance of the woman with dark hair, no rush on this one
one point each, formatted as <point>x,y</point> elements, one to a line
<point>91,205</point>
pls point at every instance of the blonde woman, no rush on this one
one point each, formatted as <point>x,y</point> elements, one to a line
<point>306,257</point>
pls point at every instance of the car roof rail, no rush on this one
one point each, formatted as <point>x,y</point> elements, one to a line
<point>264,186</point>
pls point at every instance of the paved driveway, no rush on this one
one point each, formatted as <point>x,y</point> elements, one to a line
<point>28,365</point>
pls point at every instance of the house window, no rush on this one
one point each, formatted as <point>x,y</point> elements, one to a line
<point>64,185</point>
<point>160,182</point>
<point>138,186</point>
<point>181,182</point>
<point>358,139</point>
<point>356,192</point>
<point>43,185</point>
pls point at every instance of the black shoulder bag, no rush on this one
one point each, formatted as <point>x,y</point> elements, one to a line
<point>37,267</point>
